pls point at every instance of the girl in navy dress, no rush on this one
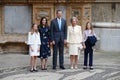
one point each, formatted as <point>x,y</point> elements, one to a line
<point>45,39</point>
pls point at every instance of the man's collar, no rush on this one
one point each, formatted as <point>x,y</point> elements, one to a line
<point>59,18</point>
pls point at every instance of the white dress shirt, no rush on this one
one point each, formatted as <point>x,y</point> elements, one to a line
<point>59,23</point>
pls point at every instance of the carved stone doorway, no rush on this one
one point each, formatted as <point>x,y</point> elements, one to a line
<point>81,11</point>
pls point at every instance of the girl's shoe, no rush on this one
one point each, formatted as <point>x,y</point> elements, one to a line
<point>45,67</point>
<point>35,70</point>
<point>42,68</point>
<point>85,67</point>
<point>31,70</point>
<point>91,68</point>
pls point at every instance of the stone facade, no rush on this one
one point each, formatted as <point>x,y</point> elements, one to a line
<point>106,18</point>
<point>17,19</point>
<point>14,26</point>
<point>13,35</point>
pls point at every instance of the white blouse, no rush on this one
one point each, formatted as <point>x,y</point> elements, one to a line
<point>34,39</point>
<point>87,33</point>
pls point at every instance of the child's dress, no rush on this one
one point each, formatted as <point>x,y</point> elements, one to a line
<point>35,42</point>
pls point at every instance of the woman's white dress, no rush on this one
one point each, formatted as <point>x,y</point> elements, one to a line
<point>34,41</point>
<point>74,38</point>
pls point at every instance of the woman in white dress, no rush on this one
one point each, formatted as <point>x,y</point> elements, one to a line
<point>74,39</point>
<point>34,46</point>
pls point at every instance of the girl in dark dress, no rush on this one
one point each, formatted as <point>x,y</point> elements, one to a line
<point>45,39</point>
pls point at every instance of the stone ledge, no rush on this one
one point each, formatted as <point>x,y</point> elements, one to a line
<point>13,43</point>
<point>13,39</point>
<point>106,25</point>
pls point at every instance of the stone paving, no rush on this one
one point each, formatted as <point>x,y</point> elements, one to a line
<point>16,67</point>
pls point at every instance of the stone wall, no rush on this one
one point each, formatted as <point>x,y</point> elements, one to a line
<point>17,19</point>
<point>15,23</point>
<point>109,39</point>
<point>107,14</point>
<point>0,18</point>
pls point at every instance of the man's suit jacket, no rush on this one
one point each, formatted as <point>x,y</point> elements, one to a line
<point>56,33</point>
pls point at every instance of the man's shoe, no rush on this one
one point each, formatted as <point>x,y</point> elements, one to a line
<point>61,67</point>
<point>54,68</point>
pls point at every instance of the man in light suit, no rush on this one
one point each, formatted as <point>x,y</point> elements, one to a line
<point>58,36</point>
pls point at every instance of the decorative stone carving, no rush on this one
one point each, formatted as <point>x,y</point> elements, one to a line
<point>77,12</point>
<point>41,11</point>
<point>86,15</point>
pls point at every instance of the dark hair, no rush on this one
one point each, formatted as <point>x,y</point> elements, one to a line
<point>91,27</point>
<point>42,20</point>
<point>32,25</point>
<point>58,11</point>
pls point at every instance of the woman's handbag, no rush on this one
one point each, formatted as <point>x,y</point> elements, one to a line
<point>80,47</point>
<point>92,40</point>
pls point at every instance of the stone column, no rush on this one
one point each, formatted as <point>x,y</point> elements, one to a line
<point>0,19</point>
<point>1,51</point>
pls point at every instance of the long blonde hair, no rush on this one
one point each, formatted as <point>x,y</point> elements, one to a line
<point>32,29</point>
